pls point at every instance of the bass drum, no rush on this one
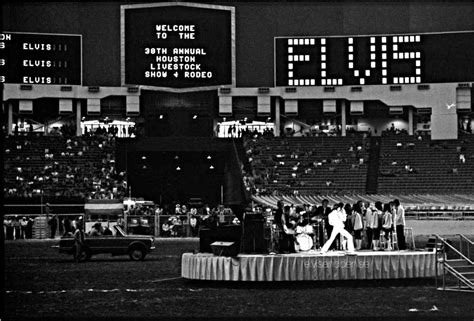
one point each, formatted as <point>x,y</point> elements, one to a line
<point>305,242</point>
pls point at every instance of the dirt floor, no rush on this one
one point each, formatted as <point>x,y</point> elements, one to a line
<point>41,283</point>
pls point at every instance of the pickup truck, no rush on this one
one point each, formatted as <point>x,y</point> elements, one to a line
<point>136,246</point>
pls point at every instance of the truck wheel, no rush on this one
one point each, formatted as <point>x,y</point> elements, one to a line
<point>137,253</point>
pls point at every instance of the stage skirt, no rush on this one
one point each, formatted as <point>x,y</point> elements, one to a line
<point>307,267</point>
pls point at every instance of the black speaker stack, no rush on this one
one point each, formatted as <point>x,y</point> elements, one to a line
<point>253,234</point>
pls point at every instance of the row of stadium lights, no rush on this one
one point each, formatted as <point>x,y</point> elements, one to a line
<point>178,167</point>
<point>195,116</point>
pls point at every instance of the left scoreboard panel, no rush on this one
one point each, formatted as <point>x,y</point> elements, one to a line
<point>39,58</point>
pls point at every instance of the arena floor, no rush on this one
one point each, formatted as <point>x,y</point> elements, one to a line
<point>41,283</point>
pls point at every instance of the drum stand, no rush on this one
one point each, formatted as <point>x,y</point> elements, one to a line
<point>316,236</point>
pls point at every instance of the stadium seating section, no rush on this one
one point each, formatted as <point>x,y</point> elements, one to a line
<point>57,166</point>
<point>337,165</point>
<point>84,166</point>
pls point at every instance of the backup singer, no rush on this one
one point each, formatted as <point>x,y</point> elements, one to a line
<point>336,219</point>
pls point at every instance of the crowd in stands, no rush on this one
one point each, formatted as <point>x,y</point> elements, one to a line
<point>417,163</point>
<point>113,130</point>
<point>240,132</point>
<point>318,165</point>
<point>179,220</point>
<point>62,165</point>
<point>15,228</point>
<point>284,165</point>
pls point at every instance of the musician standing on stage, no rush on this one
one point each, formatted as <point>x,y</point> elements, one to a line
<point>370,223</point>
<point>278,222</point>
<point>336,219</point>
<point>287,242</point>
<point>358,225</point>
<point>323,211</point>
<point>316,218</point>
<point>400,224</point>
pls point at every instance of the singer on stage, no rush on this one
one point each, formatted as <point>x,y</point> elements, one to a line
<point>336,219</point>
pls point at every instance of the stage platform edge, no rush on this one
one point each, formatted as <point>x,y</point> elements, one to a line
<point>309,266</point>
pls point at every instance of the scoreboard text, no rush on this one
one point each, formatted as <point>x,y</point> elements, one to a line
<point>374,60</point>
<point>47,59</point>
<point>177,46</point>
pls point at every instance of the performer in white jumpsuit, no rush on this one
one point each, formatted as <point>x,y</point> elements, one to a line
<point>337,218</point>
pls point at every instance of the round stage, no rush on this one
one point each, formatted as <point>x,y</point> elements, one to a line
<point>309,266</point>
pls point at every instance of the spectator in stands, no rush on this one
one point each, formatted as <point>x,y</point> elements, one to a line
<point>400,224</point>
<point>29,228</point>
<point>23,226</point>
<point>7,224</point>
<point>194,222</point>
<point>16,227</point>
<point>53,224</point>
<point>67,226</point>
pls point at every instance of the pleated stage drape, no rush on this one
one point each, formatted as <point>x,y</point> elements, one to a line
<point>309,267</point>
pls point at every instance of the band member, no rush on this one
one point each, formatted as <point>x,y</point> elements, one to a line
<point>288,224</point>
<point>387,226</point>
<point>323,211</point>
<point>278,222</point>
<point>377,225</point>
<point>347,225</point>
<point>318,225</point>
<point>336,219</point>
<point>400,224</point>
<point>358,225</point>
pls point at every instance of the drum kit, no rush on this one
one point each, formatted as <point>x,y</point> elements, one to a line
<point>307,237</point>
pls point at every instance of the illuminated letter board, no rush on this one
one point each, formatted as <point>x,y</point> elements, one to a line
<point>177,45</point>
<point>46,59</point>
<point>374,60</point>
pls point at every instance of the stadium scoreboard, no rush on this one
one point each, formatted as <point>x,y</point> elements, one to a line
<point>374,60</point>
<point>46,59</point>
<point>177,46</point>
